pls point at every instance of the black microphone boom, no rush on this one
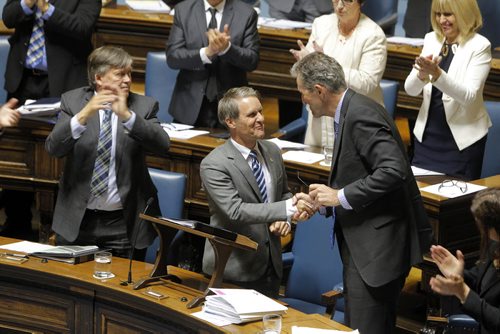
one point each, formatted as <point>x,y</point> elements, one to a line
<point>134,235</point>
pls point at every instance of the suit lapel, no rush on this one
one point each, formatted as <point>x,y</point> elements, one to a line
<point>241,164</point>
<point>227,15</point>
<point>492,282</point>
<point>336,146</point>
<point>201,18</point>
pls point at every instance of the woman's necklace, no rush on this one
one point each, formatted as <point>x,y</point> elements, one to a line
<point>344,34</point>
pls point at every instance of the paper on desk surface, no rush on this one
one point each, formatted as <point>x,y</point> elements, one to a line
<point>212,318</point>
<point>269,22</point>
<point>452,192</point>
<point>27,247</point>
<point>282,144</point>
<point>156,6</point>
<point>184,134</point>
<point>177,126</point>
<point>417,171</point>
<point>406,40</point>
<point>303,157</point>
<point>309,330</point>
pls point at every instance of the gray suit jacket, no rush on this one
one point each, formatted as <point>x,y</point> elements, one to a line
<point>323,6</point>
<point>235,204</point>
<point>387,231</point>
<point>134,184</point>
<point>188,36</point>
<point>417,21</point>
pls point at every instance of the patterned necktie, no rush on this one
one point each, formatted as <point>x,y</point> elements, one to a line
<point>259,175</point>
<point>211,89</point>
<point>99,183</point>
<point>37,42</point>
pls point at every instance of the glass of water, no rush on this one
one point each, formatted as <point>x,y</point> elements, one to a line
<point>102,265</point>
<point>271,324</point>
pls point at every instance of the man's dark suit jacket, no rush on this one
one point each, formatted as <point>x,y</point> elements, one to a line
<point>417,21</point>
<point>370,163</point>
<point>188,36</point>
<point>483,303</point>
<point>68,35</point>
<point>134,183</point>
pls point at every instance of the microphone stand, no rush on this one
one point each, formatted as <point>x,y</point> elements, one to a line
<point>134,235</point>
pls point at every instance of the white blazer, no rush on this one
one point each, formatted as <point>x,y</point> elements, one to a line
<point>362,56</point>
<point>462,89</point>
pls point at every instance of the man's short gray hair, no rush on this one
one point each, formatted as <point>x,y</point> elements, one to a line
<point>228,105</point>
<point>318,68</point>
<point>102,59</point>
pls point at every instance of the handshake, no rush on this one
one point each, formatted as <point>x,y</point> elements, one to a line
<point>307,204</point>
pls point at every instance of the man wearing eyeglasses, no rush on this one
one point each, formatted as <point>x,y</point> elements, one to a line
<point>299,10</point>
<point>380,222</point>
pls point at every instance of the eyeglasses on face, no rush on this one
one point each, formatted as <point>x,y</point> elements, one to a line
<point>453,183</point>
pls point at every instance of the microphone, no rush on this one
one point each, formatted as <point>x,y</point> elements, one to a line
<point>134,234</point>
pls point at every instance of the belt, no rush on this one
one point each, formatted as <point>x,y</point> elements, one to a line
<point>35,72</point>
<point>103,212</point>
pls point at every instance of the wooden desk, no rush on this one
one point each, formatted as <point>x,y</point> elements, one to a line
<point>139,33</point>
<point>55,297</point>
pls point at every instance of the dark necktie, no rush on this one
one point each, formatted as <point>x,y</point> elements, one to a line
<point>37,42</point>
<point>213,21</point>
<point>259,175</point>
<point>100,176</point>
<point>211,89</point>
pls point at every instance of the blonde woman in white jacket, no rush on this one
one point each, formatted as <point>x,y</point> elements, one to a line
<point>452,124</point>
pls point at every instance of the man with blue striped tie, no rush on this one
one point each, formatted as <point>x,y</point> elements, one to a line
<point>247,190</point>
<point>48,56</point>
<point>103,132</point>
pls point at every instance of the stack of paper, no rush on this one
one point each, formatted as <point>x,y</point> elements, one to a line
<point>68,254</point>
<point>40,108</point>
<point>241,305</point>
<point>156,6</point>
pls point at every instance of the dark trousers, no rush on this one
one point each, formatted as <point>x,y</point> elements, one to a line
<point>18,203</point>
<point>368,309</point>
<point>106,229</point>
<point>207,118</point>
<point>268,284</point>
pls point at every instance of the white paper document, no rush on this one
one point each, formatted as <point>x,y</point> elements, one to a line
<point>282,144</point>
<point>282,24</point>
<point>452,191</point>
<point>241,305</point>
<point>406,40</point>
<point>212,318</point>
<point>27,247</point>
<point>309,330</point>
<point>303,157</point>
<point>185,134</point>
<point>177,126</point>
<point>417,171</point>
<point>156,6</point>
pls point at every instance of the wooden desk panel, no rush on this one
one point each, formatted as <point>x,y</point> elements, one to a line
<point>57,297</point>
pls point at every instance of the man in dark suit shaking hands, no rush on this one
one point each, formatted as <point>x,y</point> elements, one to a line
<point>103,131</point>
<point>380,222</point>
<point>213,43</point>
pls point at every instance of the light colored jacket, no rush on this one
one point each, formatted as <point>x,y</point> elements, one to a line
<point>462,88</point>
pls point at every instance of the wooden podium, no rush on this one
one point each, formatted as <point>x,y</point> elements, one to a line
<point>222,249</point>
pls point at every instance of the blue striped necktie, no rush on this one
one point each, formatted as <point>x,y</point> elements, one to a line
<point>37,42</point>
<point>259,175</point>
<point>100,177</point>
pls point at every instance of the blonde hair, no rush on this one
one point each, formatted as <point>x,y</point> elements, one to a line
<point>467,15</point>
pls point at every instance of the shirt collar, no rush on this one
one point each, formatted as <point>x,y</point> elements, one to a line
<point>245,151</point>
<point>337,110</point>
<point>219,7</point>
